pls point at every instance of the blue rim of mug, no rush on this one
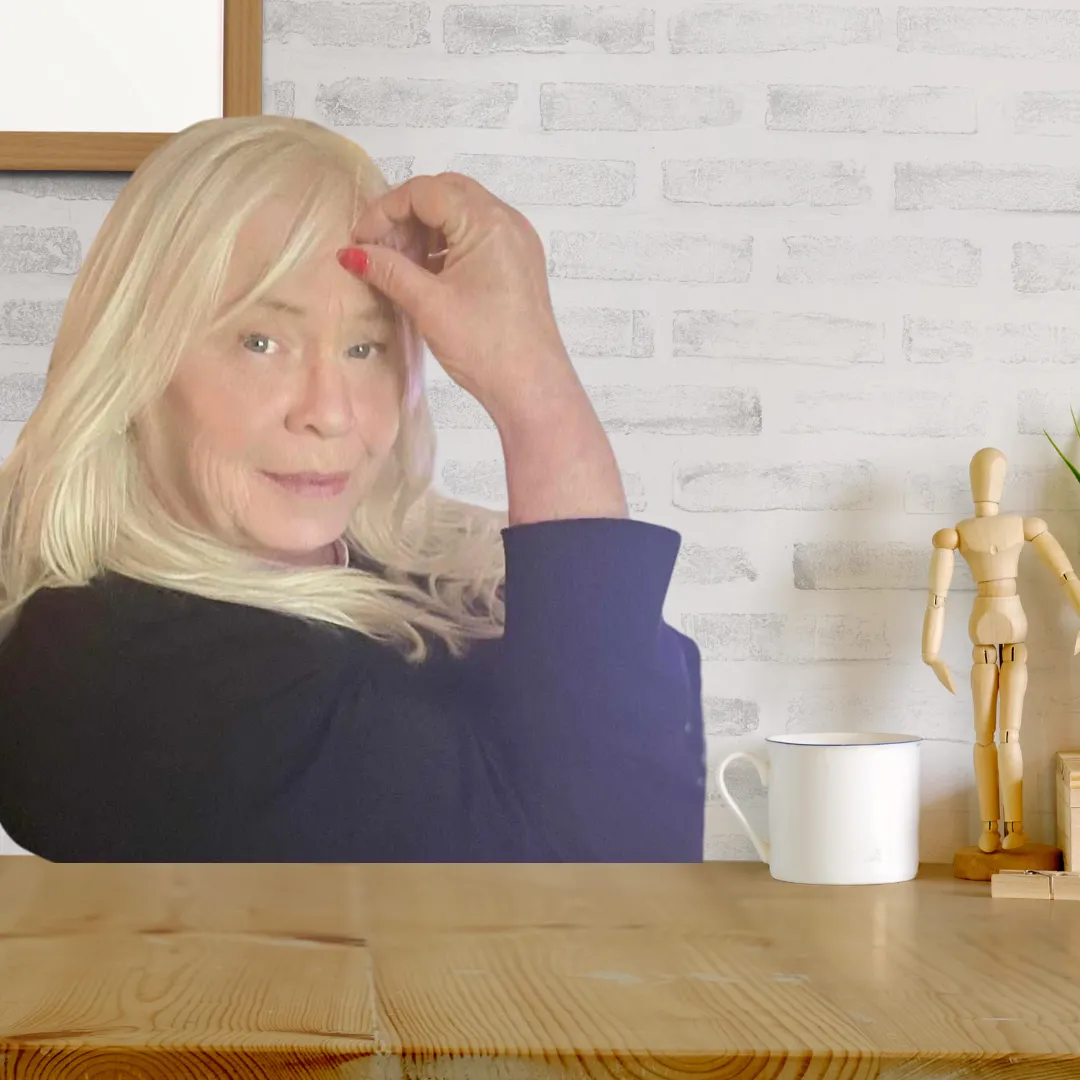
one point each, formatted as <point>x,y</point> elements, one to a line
<point>854,740</point>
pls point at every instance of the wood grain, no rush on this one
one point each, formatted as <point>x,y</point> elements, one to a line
<point>972,864</point>
<point>164,971</point>
<point>471,972</point>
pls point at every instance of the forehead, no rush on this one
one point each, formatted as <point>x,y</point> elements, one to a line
<point>363,308</point>
<point>320,289</point>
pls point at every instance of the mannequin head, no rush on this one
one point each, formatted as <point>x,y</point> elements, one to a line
<point>988,469</point>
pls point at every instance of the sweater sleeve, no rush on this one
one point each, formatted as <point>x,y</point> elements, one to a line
<point>600,700</point>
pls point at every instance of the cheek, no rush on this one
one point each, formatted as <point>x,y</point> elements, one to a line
<point>222,416</point>
<point>377,406</point>
<point>206,434</point>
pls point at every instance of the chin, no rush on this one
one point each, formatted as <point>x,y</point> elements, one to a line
<point>295,556</point>
<point>295,544</point>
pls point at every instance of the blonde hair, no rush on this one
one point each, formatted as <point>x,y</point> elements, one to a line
<point>74,498</point>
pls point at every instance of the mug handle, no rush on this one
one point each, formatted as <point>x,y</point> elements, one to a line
<point>762,767</point>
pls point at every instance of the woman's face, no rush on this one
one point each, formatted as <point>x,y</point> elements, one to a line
<point>274,429</point>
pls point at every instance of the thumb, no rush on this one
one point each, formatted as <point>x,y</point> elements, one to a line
<point>391,272</point>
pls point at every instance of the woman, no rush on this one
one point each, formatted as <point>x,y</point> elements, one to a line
<point>238,622</point>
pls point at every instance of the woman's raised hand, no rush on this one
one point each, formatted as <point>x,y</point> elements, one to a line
<point>483,305</point>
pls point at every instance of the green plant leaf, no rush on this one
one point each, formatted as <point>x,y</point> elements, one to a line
<point>1072,467</point>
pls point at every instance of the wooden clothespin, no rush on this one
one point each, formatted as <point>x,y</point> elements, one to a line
<point>1035,885</point>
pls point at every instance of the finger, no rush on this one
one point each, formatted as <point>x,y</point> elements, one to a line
<point>433,201</point>
<point>946,678</point>
<point>396,276</point>
<point>434,257</point>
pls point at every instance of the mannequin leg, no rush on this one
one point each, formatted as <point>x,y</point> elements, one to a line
<point>984,692</point>
<point>1014,680</point>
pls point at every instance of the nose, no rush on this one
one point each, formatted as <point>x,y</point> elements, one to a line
<point>323,403</point>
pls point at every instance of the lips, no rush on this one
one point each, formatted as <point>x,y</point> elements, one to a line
<point>311,485</point>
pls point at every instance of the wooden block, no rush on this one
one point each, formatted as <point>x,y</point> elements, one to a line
<point>1061,836</point>
<point>1067,826</point>
<point>1020,885</point>
<point>1067,805</point>
<point>1066,887</point>
<point>973,864</point>
<point>1035,885</point>
<point>1068,772</point>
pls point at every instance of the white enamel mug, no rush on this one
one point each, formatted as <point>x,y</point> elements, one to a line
<point>843,807</point>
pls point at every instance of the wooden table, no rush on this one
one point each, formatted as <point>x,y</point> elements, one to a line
<point>526,973</point>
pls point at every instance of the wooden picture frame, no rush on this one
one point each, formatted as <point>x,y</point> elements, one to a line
<point>122,151</point>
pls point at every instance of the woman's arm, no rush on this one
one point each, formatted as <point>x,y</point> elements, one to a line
<point>601,699</point>
<point>559,462</point>
<point>598,718</point>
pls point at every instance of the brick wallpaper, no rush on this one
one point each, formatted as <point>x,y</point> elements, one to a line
<point>807,258</point>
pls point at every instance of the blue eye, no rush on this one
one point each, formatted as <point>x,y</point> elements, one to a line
<point>247,337</point>
<point>368,347</point>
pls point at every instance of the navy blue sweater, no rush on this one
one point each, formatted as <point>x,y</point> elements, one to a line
<point>146,724</point>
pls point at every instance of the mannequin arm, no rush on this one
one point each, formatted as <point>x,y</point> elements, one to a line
<point>946,541</point>
<point>1053,555</point>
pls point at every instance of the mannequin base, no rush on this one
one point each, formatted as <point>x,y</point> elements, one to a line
<point>974,864</point>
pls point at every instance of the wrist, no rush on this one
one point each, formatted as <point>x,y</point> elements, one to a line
<point>559,460</point>
<point>541,392</point>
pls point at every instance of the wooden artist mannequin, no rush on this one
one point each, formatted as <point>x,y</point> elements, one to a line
<point>991,544</point>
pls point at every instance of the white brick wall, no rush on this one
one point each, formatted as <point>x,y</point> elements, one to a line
<point>807,258</point>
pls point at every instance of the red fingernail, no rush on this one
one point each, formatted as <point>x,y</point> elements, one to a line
<point>353,259</point>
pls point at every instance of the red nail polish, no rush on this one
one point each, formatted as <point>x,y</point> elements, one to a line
<point>353,259</point>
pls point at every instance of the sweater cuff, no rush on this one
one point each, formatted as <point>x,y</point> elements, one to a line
<point>586,574</point>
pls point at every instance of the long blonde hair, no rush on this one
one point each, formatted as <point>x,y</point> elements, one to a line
<point>74,501</point>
